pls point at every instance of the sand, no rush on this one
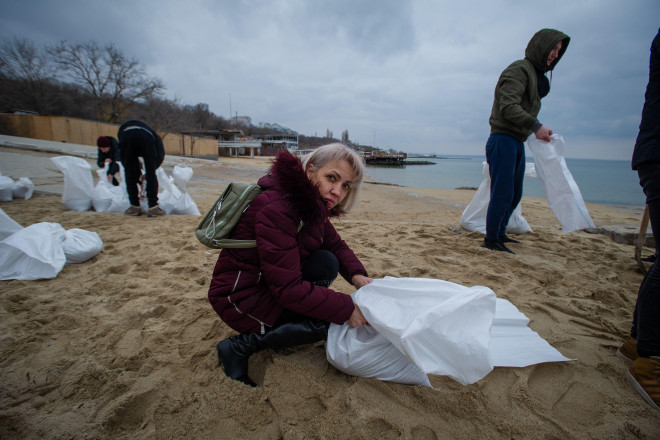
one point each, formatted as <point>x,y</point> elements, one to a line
<point>118,346</point>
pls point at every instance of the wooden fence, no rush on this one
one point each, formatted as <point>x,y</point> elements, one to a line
<point>83,132</point>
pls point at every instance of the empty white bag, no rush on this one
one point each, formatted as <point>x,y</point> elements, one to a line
<point>33,253</point>
<point>474,216</point>
<point>78,183</point>
<point>563,194</point>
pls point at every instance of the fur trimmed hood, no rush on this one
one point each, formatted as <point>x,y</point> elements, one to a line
<point>288,177</point>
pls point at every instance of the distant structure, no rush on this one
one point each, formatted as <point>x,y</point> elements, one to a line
<point>387,159</point>
<point>236,143</point>
<point>276,127</point>
<point>243,120</point>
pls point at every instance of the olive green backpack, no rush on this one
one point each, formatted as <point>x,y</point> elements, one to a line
<point>216,226</point>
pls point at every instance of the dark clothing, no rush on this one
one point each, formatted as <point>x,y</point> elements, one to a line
<point>506,164</point>
<point>513,119</point>
<point>517,101</point>
<point>252,288</point>
<point>646,160</point>
<point>647,147</point>
<point>137,139</point>
<point>113,155</point>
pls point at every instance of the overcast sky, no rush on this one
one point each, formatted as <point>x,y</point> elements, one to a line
<point>416,76</point>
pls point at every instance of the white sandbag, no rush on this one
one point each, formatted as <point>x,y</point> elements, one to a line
<point>78,183</point>
<point>80,245</point>
<point>107,197</point>
<point>172,200</point>
<point>474,216</point>
<point>363,352</point>
<point>23,189</point>
<point>6,189</point>
<point>441,327</point>
<point>563,194</point>
<point>181,176</point>
<point>7,225</point>
<point>33,253</point>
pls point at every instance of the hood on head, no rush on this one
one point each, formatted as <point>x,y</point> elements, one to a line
<point>540,46</point>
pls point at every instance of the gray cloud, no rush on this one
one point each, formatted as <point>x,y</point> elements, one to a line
<point>419,74</point>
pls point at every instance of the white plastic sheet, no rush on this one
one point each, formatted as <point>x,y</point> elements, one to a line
<point>7,225</point>
<point>474,215</point>
<point>80,245</point>
<point>33,253</point>
<point>439,327</point>
<point>78,183</point>
<point>563,194</point>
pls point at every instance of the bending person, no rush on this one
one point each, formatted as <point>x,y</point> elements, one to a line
<point>137,139</point>
<point>108,152</point>
<point>277,295</point>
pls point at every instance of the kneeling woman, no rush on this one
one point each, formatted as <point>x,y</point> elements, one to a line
<point>276,295</point>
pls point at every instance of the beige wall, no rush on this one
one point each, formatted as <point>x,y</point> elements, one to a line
<point>80,131</point>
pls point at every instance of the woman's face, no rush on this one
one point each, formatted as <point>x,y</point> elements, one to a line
<point>333,180</point>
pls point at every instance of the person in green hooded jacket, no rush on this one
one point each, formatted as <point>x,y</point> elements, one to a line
<point>513,119</point>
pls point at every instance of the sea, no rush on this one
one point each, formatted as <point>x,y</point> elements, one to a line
<point>608,182</point>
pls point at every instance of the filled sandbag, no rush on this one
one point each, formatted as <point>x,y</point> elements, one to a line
<point>7,225</point>
<point>78,183</point>
<point>33,253</point>
<point>6,189</point>
<point>23,189</point>
<point>80,245</point>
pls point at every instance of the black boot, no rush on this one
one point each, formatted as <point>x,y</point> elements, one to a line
<point>234,352</point>
<point>496,246</point>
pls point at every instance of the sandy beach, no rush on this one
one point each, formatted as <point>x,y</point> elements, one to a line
<point>118,346</point>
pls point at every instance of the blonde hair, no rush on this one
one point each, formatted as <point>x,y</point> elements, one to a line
<point>337,151</point>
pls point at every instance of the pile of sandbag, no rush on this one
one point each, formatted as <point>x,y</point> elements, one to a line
<point>22,188</point>
<point>41,250</point>
<point>80,194</point>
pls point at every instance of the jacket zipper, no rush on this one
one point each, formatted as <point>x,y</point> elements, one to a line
<point>263,324</point>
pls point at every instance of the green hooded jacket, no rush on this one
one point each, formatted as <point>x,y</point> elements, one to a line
<point>517,101</point>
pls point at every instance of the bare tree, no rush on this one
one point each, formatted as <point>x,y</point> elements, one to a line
<point>344,137</point>
<point>115,81</point>
<point>26,75</point>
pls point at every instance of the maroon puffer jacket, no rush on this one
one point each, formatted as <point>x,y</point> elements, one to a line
<point>251,287</point>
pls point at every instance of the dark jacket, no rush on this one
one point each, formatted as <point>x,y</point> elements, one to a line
<point>647,147</point>
<point>112,154</point>
<point>517,101</point>
<point>251,287</point>
<point>159,149</point>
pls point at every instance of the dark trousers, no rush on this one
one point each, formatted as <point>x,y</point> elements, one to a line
<point>321,268</point>
<point>646,317</point>
<point>506,164</point>
<point>134,144</point>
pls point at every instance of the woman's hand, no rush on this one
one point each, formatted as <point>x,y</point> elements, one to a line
<point>357,318</point>
<point>360,280</point>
